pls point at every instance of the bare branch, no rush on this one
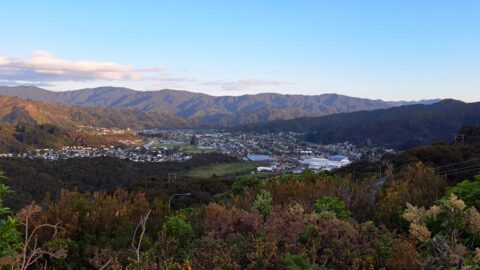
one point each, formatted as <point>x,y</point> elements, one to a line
<point>31,253</point>
<point>136,245</point>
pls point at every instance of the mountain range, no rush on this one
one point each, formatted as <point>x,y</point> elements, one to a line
<point>399,127</point>
<point>205,109</point>
<point>361,121</point>
<point>15,110</point>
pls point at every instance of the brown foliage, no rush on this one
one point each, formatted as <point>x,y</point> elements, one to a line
<point>284,225</point>
<point>405,256</point>
<point>216,255</point>
<point>357,196</point>
<point>97,212</point>
<point>416,184</point>
<point>32,251</point>
<point>223,223</point>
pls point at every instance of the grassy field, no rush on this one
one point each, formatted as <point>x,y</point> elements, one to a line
<point>223,170</point>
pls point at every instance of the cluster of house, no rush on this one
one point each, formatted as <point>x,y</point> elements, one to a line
<point>276,152</point>
<point>136,154</point>
<point>104,131</point>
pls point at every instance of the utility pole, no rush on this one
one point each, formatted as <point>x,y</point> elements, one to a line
<point>459,139</point>
<point>172,176</point>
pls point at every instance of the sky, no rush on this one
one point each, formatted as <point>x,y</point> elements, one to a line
<point>391,50</point>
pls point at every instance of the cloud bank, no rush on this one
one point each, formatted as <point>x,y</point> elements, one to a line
<point>43,69</point>
<point>44,66</point>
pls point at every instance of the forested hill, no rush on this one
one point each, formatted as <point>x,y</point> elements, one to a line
<point>400,127</point>
<point>211,110</point>
<point>14,110</point>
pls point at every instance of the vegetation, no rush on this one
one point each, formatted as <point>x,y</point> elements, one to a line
<point>36,180</point>
<point>9,236</point>
<point>23,137</point>
<point>81,214</point>
<point>311,221</point>
<point>225,170</point>
<point>14,110</point>
<point>200,108</point>
<point>400,127</point>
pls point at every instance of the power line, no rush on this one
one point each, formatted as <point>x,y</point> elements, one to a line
<point>459,169</point>
<point>451,164</point>
<point>464,171</point>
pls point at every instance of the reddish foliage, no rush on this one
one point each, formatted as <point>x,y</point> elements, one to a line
<point>223,223</point>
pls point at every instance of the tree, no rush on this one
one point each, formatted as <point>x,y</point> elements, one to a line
<point>468,191</point>
<point>9,236</point>
<point>194,140</point>
<point>310,238</point>
<point>297,262</point>
<point>328,205</point>
<point>263,203</point>
<point>176,227</point>
<point>32,251</point>
<point>448,231</point>
<point>416,184</point>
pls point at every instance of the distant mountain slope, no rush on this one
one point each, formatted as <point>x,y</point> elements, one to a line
<point>23,137</point>
<point>399,127</point>
<point>223,110</point>
<point>14,110</point>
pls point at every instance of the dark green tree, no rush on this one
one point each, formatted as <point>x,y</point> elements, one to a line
<point>328,205</point>
<point>9,236</point>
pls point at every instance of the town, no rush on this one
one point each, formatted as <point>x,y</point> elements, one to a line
<point>277,152</point>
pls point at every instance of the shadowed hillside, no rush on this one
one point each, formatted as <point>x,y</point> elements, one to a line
<point>401,127</point>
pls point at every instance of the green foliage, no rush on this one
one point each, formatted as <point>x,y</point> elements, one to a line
<point>297,262</point>
<point>244,183</point>
<point>32,179</point>
<point>448,232</point>
<point>309,235</point>
<point>280,222</point>
<point>328,205</point>
<point>177,227</point>
<point>468,191</point>
<point>9,236</point>
<point>263,203</point>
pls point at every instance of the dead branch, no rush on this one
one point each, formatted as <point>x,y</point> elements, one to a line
<point>136,244</point>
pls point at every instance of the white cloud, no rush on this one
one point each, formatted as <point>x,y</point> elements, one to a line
<point>247,84</point>
<point>44,66</point>
<point>44,69</point>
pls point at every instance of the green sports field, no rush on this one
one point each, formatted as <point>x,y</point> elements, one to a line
<point>222,170</point>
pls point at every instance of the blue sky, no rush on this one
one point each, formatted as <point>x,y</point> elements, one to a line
<point>393,50</point>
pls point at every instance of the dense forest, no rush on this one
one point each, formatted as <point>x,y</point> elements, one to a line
<point>400,127</point>
<point>84,215</point>
<point>33,180</point>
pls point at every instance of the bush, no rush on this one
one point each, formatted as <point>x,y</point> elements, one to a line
<point>328,205</point>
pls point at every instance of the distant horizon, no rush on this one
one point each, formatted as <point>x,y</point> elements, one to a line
<point>260,93</point>
<point>403,50</point>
